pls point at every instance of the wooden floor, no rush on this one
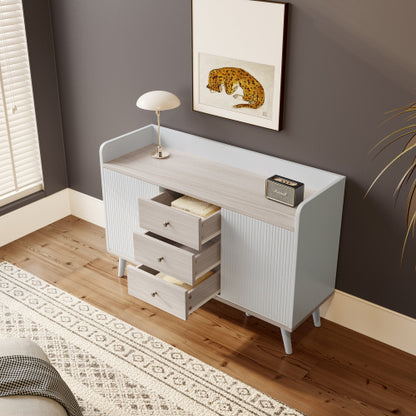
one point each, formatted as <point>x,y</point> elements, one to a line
<point>332,372</point>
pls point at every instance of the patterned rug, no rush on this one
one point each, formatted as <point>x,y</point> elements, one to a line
<point>114,368</point>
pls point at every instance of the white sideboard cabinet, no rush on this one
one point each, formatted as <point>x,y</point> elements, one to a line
<point>267,259</point>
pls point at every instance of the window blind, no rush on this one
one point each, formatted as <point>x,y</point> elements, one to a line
<point>20,164</point>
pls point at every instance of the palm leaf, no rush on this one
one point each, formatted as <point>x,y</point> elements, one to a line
<point>393,141</point>
<point>407,175</point>
<point>413,231</point>
<point>410,174</point>
<point>411,142</point>
<point>401,108</point>
<point>391,134</point>
<point>412,223</point>
<point>387,166</point>
<point>408,110</point>
<point>411,204</point>
<point>408,113</point>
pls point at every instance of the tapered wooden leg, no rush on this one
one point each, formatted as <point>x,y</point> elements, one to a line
<point>287,341</point>
<point>316,318</point>
<point>121,267</point>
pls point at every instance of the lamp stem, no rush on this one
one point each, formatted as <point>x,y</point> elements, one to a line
<point>160,153</point>
<point>158,127</point>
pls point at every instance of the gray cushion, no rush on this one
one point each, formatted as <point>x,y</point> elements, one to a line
<point>26,405</point>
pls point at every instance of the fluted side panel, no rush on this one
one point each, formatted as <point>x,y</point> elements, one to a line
<point>258,266</point>
<point>120,194</point>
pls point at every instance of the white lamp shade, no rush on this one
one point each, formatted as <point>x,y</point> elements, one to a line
<point>158,101</point>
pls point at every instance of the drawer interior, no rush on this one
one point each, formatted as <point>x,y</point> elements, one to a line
<point>193,230</point>
<point>172,280</point>
<point>182,246</point>
<point>146,269</point>
<point>171,296</point>
<point>167,197</point>
<point>171,242</point>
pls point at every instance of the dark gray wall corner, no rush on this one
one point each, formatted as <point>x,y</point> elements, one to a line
<point>344,70</point>
<point>46,95</point>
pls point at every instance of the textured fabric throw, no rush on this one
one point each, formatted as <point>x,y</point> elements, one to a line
<point>30,376</point>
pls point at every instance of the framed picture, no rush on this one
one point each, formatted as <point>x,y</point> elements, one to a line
<point>237,59</point>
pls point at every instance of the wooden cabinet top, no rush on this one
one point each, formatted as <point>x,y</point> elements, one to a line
<point>192,169</point>
<point>226,186</point>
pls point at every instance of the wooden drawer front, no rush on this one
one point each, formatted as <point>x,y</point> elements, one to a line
<point>158,216</point>
<point>175,259</point>
<point>176,300</point>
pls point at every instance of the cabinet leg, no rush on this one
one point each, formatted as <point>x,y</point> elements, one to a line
<point>287,340</point>
<point>121,267</point>
<point>316,318</point>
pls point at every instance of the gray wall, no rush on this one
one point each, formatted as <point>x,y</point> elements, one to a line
<point>347,63</point>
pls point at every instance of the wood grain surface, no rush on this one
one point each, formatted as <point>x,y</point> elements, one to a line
<point>219,184</point>
<point>332,372</point>
<point>170,222</point>
<point>175,259</point>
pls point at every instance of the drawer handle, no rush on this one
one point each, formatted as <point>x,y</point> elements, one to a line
<point>160,259</point>
<point>166,223</point>
<point>154,294</point>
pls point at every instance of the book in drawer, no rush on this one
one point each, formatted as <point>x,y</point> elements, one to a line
<point>158,216</point>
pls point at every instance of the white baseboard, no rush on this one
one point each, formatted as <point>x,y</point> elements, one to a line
<point>87,207</point>
<point>34,216</point>
<point>357,314</point>
<point>371,320</point>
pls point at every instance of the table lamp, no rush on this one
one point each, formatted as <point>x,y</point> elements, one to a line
<point>158,101</point>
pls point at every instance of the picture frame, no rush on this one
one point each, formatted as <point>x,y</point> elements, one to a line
<point>237,73</point>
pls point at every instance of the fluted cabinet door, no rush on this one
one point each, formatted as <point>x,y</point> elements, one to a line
<point>121,194</point>
<point>258,266</point>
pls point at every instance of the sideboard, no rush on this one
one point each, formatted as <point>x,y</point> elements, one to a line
<point>269,260</point>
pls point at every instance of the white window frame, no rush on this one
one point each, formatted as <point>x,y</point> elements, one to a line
<point>20,160</point>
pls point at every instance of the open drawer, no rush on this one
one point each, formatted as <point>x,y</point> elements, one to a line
<point>174,258</point>
<point>179,300</point>
<point>158,216</point>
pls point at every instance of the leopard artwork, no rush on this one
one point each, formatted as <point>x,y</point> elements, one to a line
<point>232,78</point>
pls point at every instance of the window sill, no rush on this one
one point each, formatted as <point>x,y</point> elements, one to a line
<point>22,202</point>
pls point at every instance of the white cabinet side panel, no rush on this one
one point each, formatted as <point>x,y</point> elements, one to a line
<point>317,256</point>
<point>120,194</point>
<point>257,266</point>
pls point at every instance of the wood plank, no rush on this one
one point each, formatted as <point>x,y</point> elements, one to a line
<point>333,370</point>
<point>228,187</point>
